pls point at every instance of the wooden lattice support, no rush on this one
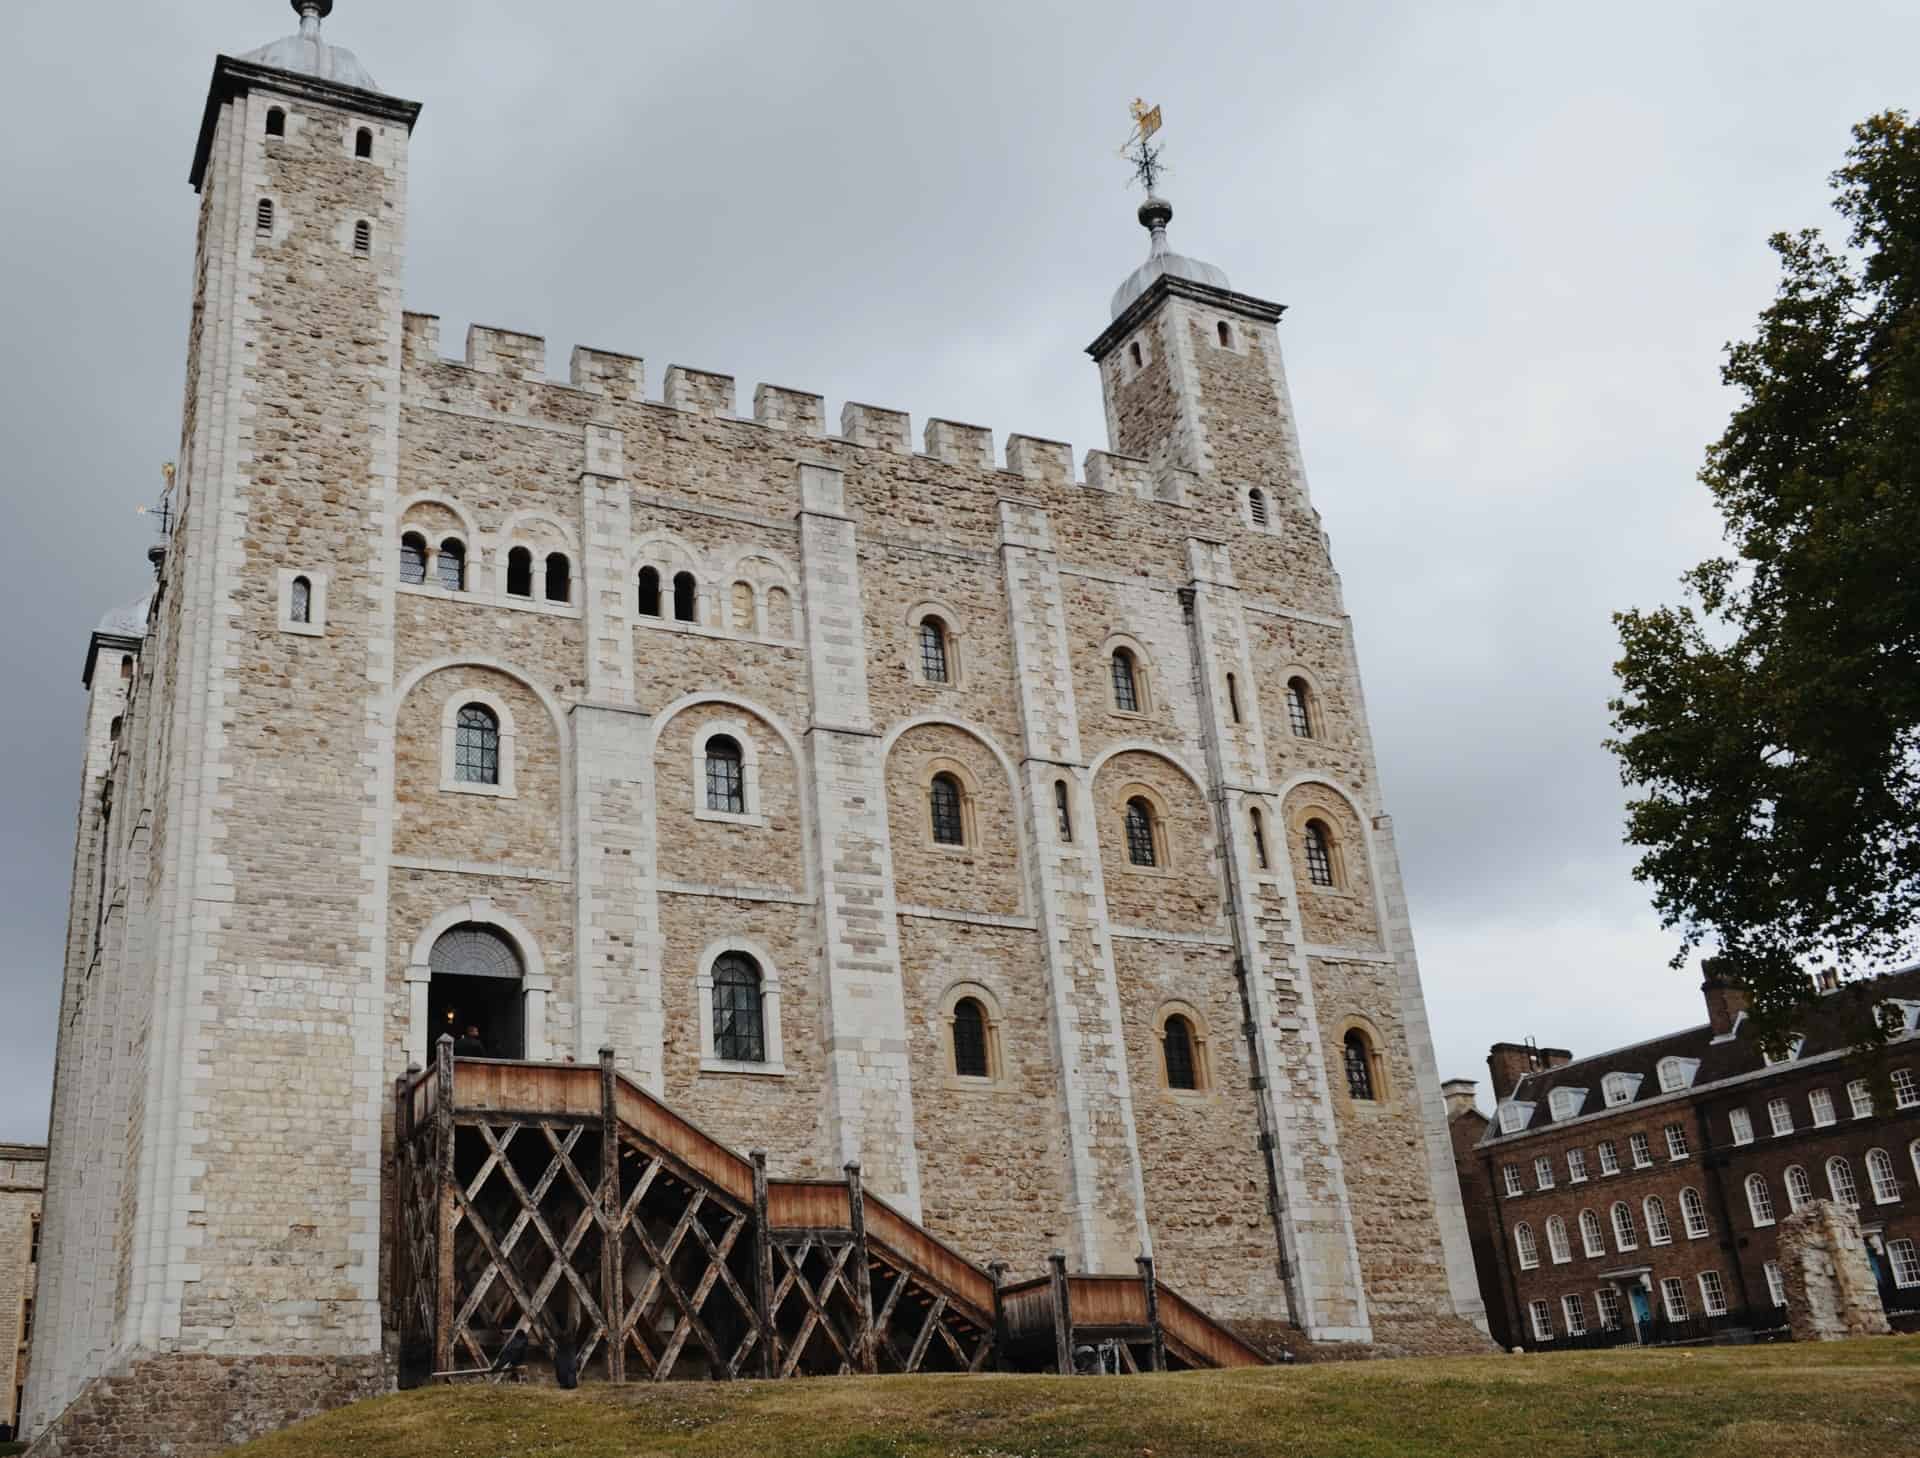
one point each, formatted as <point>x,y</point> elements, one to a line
<point>763,1266</point>
<point>864,1359</point>
<point>1062,1315</point>
<point>612,1268</point>
<point>444,1212</point>
<point>1151,1285</point>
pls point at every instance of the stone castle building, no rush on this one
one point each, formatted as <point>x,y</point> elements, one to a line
<point>23,1170</point>
<point>1013,830</point>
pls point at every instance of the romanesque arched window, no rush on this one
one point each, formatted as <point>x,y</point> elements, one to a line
<point>276,122</point>
<point>1182,1060</point>
<point>970,1055</point>
<point>1141,849</point>
<point>300,601</point>
<point>559,578</point>
<point>649,592</point>
<point>944,809</point>
<point>726,783</point>
<point>452,565</point>
<point>685,604</point>
<point>363,143</point>
<point>1300,708</point>
<point>476,746</point>
<point>413,558</point>
<point>520,573</point>
<point>933,650</point>
<point>739,1019</point>
<point>1319,843</point>
<point>1359,1061</point>
<point>1126,682</point>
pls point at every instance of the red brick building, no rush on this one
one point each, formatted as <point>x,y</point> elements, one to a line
<point>1640,1190</point>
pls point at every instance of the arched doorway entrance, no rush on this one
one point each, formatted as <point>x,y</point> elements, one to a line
<point>478,981</point>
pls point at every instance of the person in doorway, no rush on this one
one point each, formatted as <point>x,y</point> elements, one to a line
<point>468,1044</point>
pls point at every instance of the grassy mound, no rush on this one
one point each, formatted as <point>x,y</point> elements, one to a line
<point>1844,1400</point>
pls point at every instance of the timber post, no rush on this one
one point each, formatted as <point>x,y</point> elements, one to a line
<point>613,1240</point>
<point>444,1212</point>
<point>763,1267</point>
<point>402,1187</point>
<point>863,1273</point>
<point>998,1270</point>
<point>1062,1316</point>
<point>1151,1284</point>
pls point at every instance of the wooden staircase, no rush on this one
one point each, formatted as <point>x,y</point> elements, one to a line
<point>565,1201</point>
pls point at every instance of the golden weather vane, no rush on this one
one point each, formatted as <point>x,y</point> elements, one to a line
<point>1139,149</point>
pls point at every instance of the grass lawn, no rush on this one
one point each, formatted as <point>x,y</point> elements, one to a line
<point>1857,1399</point>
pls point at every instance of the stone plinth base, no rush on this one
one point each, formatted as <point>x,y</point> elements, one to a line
<point>189,1406</point>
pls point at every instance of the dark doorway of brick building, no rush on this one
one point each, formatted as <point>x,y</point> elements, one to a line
<point>494,1005</point>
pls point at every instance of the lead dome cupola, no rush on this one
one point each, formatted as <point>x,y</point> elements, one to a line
<point>306,54</point>
<point>1155,214</point>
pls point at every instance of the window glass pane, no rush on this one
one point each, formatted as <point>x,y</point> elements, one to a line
<point>476,747</point>
<point>726,787</point>
<point>933,651</point>
<point>300,609</point>
<point>969,1039</point>
<point>1360,1068</point>
<point>1297,717</point>
<point>1140,848</point>
<point>738,1030</point>
<point>413,559</point>
<point>452,566</point>
<point>1125,694</point>
<point>1319,855</point>
<point>945,805</point>
<point>1181,1071</point>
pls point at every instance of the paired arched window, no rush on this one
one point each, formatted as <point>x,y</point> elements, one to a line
<point>1623,1236</point>
<point>1257,506</point>
<point>685,598</point>
<point>649,592</point>
<point>476,746</point>
<point>263,217</point>
<point>726,779</point>
<point>933,650</point>
<point>1799,1188</point>
<point>300,601</point>
<point>1880,1175</point>
<point>1063,811</point>
<point>1141,850</point>
<point>363,143</point>
<point>1259,838</point>
<point>452,566</point>
<point>1126,682</point>
<point>1840,1181</point>
<point>276,122</point>
<point>970,1052</point>
<point>1300,708</point>
<point>1180,1052</point>
<point>1319,843</point>
<point>1659,1231</point>
<point>1559,1249</point>
<point>944,808</point>
<point>413,558</point>
<point>363,238</point>
<point>739,1010</point>
<point>1759,1200</point>
<point>520,573</point>
<point>1693,1213</point>
<point>1358,1054</point>
<point>559,578</point>
<point>1526,1246</point>
<point>1593,1239</point>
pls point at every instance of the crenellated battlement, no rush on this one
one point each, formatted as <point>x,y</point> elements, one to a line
<point>609,375</point>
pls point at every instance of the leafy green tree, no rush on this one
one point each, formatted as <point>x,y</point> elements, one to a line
<point>1770,724</point>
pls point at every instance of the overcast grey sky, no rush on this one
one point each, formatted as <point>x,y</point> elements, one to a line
<point>1513,239</point>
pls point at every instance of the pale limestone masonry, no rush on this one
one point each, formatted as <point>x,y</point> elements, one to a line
<point>1831,1291</point>
<point>23,1172</point>
<point>273,837</point>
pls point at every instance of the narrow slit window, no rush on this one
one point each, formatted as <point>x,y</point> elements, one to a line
<point>453,566</point>
<point>1183,1067</point>
<point>1233,698</point>
<point>684,608</point>
<point>970,1039</point>
<point>943,804</point>
<point>520,573</point>
<point>1259,839</point>
<point>649,592</point>
<point>300,603</point>
<point>1226,333</point>
<point>726,785</point>
<point>1141,850</point>
<point>1135,350</point>
<point>1319,854</point>
<point>363,143</point>
<point>1062,808</point>
<point>559,578</point>
<point>413,558</point>
<point>1126,685</point>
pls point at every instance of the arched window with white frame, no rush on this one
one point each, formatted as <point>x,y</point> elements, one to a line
<point>1881,1177</point>
<point>1593,1240</point>
<point>1840,1181</point>
<point>1659,1230</point>
<point>1525,1246</point>
<point>1623,1232</point>
<point>1559,1250</point>
<point>476,746</point>
<point>1799,1188</point>
<point>1759,1200</point>
<point>1693,1213</point>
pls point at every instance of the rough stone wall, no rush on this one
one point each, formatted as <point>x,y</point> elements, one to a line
<point>22,1181</point>
<point>1831,1293</point>
<point>983,874</point>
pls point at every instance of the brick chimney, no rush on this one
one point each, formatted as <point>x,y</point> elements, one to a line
<point>1511,1062</point>
<point>1458,1092</point>
<point>1725,1000</point>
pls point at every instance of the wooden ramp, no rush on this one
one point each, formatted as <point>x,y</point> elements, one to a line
<point>566,1202</point>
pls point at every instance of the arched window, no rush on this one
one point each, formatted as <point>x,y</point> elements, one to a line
<point>520,573</point>
<point>739,1020</point>
<point>1226,333</point>
<point>300,601</point>
<point>649,592</point>
<point>263,217</point>
<point>363,143</point>
<point>1182,1060</point>
<point>1799,1188</point>
<point>1126,683</point>
<point>1259,838</point>
<point>413,558</point>
<point>933,650</point>
<point>559,578</point>
<point>476,746</point>
<point>113,729</point>
<point>1693,1213</point>
<point>1299,708</point>
<point>1840,1181</point>
<point>685,608</point>
<point>943,805</point>
<point>1593,1239</point>
<point>1141,850</point>
<point>1527,1247</point>
<point>1233,698</point>
<point>726,784</point>
<point>743,607</point>
<point>1759,1200</point>
<point>276,122</point>
<point>970,1058</point>
<point>1913,1153</point>
<point>1559,1249</point>
<point>1135,348</point>
<point>363,238</point>
<point>126,666</point>
<point>474,949</point>
<point>1623,1236</point>
<point>779,613</point>
<point>1880,1175</point>
<point>1257,506</point>
<point>453,565</point>
<point>1359,1060</point>
<point>1319,853</point>
<point>1659,1231</point>
<point>1062,811</point>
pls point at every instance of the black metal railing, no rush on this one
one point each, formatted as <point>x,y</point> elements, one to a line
<point>1738,1325</point>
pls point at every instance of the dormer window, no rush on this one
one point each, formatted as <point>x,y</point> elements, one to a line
<point>1677,1073</point>
<point>1564,1103</point>
<point>1788,1054</point>
<point>1901,1017</point>
<point>1515,1116</point>
<point>1619,1088</point>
